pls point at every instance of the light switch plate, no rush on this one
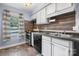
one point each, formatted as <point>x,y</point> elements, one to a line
<point>76,28</point>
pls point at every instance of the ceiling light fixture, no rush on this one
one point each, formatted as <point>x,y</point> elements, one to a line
<point>28,4</point>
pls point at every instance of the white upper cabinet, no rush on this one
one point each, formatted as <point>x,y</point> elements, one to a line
<point>41,17</point>
<point>50,8</point>
<point>61,6</point>
<point>55,9</point>
<point>38,18</point>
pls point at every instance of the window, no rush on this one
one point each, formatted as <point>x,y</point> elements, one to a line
<point>13,22</point>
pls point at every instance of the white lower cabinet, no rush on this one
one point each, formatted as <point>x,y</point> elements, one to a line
<point>46,46</point>
<point>56,47</point>
<point>60,50</point>
<point>52,50</point>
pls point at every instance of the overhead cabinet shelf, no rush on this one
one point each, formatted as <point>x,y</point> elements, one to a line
<point>58,9</point>
<point>52,10</point>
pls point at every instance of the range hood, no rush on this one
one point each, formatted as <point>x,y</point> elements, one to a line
<point>52,20</point>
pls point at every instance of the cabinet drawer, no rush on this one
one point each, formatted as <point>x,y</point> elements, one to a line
<point>60,41</point>
<point>46,38</point>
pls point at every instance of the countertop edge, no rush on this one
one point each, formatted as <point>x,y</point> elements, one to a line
<point>69,39</point>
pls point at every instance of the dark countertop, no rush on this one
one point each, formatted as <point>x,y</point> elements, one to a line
<point>63,38</point>
<point>72,38</point>
<point>59,31</point>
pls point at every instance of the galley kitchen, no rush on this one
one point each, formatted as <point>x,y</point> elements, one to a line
<point>39,29</point>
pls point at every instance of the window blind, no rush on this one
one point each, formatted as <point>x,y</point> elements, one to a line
<point>5,24</point>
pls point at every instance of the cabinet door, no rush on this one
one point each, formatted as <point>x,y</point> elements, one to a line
<point>43,16</point>
<point>43,48</point>
<point>50,8</point>
<point>52,50</point>
<point>46,46</point>
<point>38,17</point>
<point>60,50</point>
<point>61,6</point>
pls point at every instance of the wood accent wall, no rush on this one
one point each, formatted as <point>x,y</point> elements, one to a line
<point>63,22</point>
<point>28,26</point>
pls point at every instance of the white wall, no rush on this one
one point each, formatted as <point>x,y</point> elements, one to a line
<point>0,22</point>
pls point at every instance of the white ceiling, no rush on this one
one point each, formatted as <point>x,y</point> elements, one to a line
<point>22,6</point>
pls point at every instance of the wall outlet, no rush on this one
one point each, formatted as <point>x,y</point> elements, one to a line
<point>76,28</point>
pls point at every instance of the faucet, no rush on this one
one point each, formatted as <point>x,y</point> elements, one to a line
<point>64,32</point>
<point>59,34</point>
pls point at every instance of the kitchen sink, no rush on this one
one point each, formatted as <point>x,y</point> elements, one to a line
<point>60,35</point>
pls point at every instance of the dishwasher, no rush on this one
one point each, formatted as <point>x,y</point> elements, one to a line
<point>38,42</point>
<point>75,48</point>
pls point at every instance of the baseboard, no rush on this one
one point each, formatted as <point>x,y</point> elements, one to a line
<point>12,45</point>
